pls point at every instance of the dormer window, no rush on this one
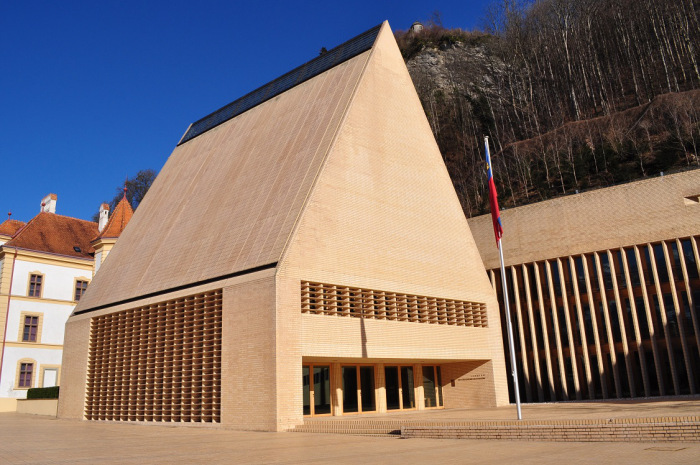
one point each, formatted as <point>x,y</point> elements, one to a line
<point>77,249</point>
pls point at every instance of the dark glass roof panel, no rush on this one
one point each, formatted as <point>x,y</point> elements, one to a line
<point>328,60</point>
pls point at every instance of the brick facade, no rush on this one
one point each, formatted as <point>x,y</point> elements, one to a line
<point>604,289</point>
<point>338,180</point>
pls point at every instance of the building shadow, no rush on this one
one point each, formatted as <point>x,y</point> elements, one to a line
<point>363,337</point>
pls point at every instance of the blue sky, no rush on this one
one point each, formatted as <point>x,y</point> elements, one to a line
<point>91,92</point>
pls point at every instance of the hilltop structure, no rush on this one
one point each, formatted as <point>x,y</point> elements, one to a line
<point>604,289</point>
<point>302,252</point>
<point>45,268</point>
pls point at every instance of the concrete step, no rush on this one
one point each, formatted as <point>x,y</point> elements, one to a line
<point>666,429</point>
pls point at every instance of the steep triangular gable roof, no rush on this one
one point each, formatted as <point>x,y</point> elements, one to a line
<point>227,199</point>
<point>383,212</point>
<point>118,220</point>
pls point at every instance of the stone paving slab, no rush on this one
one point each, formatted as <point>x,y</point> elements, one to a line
<point>30,439</point>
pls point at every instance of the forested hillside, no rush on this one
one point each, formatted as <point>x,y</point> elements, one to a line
<point>574,94</point>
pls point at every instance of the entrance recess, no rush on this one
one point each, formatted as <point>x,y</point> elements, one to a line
<point>347,389</point>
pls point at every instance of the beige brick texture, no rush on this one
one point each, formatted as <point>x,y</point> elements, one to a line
<point>383,214</point>
<point>248,356</point>
<point>611,273</point>
<point>468,384</point>
<point>242,183</point>
<point>644,211</point>
<point>71,402</point>
<point>338,180</point>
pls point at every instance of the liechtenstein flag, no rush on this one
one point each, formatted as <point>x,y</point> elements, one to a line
<point>493,198</point>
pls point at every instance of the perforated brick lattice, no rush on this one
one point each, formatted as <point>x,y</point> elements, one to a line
<point>160,362</point>
<point>331,299</point>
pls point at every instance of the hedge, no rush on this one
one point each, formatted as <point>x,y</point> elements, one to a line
<point>43,393</point>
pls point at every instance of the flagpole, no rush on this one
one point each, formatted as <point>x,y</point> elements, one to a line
<point>511,344</point>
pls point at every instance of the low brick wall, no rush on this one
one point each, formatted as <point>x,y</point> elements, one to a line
<point>46,407</point>
<point>663,429</point>
<point>8,405</point>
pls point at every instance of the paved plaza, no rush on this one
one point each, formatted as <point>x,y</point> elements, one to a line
<point>588,410</point>
<point>29,439</point>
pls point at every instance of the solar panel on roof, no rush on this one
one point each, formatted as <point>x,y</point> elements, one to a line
<point>328,60</point>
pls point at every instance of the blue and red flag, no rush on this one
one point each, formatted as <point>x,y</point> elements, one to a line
<point>493,198</point>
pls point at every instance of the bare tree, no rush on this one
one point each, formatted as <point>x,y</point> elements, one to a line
<point>136,188</point>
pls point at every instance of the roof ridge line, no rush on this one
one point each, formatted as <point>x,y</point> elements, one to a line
<point>337,55</point>
<point>71,217</point>
<point>317,176</point>
<point>21,229</point>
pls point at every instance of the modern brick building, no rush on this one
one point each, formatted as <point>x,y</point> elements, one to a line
<point>605,291</point>
<point>302,252</point>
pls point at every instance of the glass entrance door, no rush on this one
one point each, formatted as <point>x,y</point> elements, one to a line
<point>350,390</point>
<point>306,389</point>
<point>367,391</point>
<point>316,383</point>
<point>408,399</point>
<point>432,390</point>
<point>358,389</point>
<point>393,387</point>
<point>400,392</point>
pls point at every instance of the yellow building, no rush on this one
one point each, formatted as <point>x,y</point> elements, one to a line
<point>45,268</point>
<point>302,252</point>
<point>604,290</point>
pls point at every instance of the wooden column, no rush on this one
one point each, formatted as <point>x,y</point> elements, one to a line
<point>521,333</point>
<point>689,293</point>
<point>545,333</point>
<point>594,323</point>
<point>533,334</point>
<point>635,323</point>
<point>679,319</point>
<point>557,329</point>
<point>608,326</point>
<point>418,389</point>
<point>582,329</point>
<point>662,310</point>
<point>380,391</point>
<point>569,331</point>
<point>623,329</point>
<point>650,323</point>
<point>337,389</point>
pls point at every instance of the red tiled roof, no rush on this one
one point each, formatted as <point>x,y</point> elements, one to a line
<point>118,220</point>
<point>10,227</point>
<point>49,232</point>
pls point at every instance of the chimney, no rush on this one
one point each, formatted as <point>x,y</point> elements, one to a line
<point>104,216</point>
<point>48,204</point>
